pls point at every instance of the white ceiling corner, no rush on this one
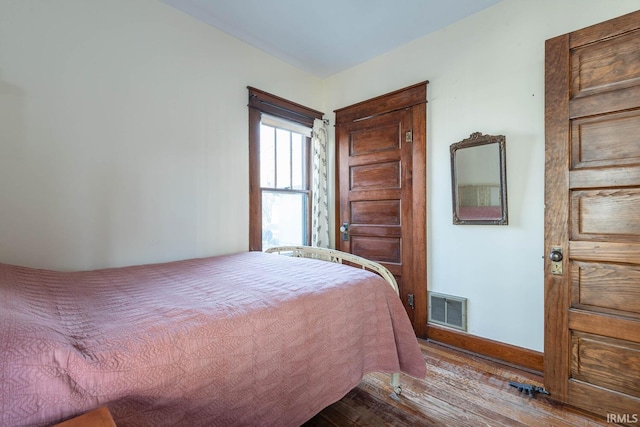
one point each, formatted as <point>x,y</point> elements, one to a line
<point>328,36</point>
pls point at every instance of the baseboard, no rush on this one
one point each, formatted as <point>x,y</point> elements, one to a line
<point>517,356</point>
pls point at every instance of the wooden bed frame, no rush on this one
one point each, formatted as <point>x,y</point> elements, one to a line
<point>333,255</point>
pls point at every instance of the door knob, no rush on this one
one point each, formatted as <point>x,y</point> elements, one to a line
<point>556,260</point>
<point>555,255</point>
<point>344,229</point>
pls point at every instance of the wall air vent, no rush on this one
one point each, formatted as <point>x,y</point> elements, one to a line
<point>448,310</point>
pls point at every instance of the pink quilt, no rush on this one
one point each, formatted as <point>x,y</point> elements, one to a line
<point>245,339</point>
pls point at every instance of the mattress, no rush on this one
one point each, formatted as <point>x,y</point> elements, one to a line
<point>242,339</point>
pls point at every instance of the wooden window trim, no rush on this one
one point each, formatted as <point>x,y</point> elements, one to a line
<point>263,102</point>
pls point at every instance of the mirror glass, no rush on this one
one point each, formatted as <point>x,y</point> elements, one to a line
<point>479,180</point>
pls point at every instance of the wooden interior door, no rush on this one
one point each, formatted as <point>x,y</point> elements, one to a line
<point>381,189</point>
<point>592,215</point>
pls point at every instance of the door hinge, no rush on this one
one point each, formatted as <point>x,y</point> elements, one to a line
<point>408,136</point>
<point>410,301</point>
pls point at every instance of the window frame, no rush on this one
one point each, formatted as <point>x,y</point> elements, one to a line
<point>262,102</point>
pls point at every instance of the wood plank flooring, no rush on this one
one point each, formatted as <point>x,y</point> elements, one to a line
<point>460,389</point>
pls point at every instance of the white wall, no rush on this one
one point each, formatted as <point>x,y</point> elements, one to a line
<point>486,74</point>
<point>123,133</point>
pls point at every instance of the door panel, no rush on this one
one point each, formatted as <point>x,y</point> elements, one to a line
<point>591,65</point>
<point>606,287</point>
<point>606,214</point>
<point>386,250</point>
<point>592,198</point>
<point>375,176</point>
<point>592,135</point>
<point>381,189</point>
<point>373,140</point>
<point>588,352</point>
<point>376,212</point>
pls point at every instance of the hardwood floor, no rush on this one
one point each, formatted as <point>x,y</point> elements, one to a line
<point>460,389</point>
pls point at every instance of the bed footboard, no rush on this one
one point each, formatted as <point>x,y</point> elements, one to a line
<point>333,255</point>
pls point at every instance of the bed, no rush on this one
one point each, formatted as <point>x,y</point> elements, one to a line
<point>244,339</point>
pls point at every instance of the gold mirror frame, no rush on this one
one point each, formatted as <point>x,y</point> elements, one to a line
<point>490,207</point>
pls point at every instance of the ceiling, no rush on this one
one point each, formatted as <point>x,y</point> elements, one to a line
<point>324,37</point>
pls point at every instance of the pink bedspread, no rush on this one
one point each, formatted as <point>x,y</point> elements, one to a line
<point>245,339</point>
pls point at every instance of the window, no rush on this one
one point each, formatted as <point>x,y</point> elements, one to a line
<point>284,183</point>
<point>279,171</point>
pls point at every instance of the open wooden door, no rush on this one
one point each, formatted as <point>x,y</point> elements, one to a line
<point>381,189</point>
<point>592,219</point>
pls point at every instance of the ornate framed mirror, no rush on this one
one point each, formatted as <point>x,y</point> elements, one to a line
<point>479,180</point>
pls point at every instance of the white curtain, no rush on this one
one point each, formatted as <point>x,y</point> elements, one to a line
<point>320,202</point>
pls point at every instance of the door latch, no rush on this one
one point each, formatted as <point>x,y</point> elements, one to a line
<point>411,301</point>
<point>556,260</point>
<point>345,231</point>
